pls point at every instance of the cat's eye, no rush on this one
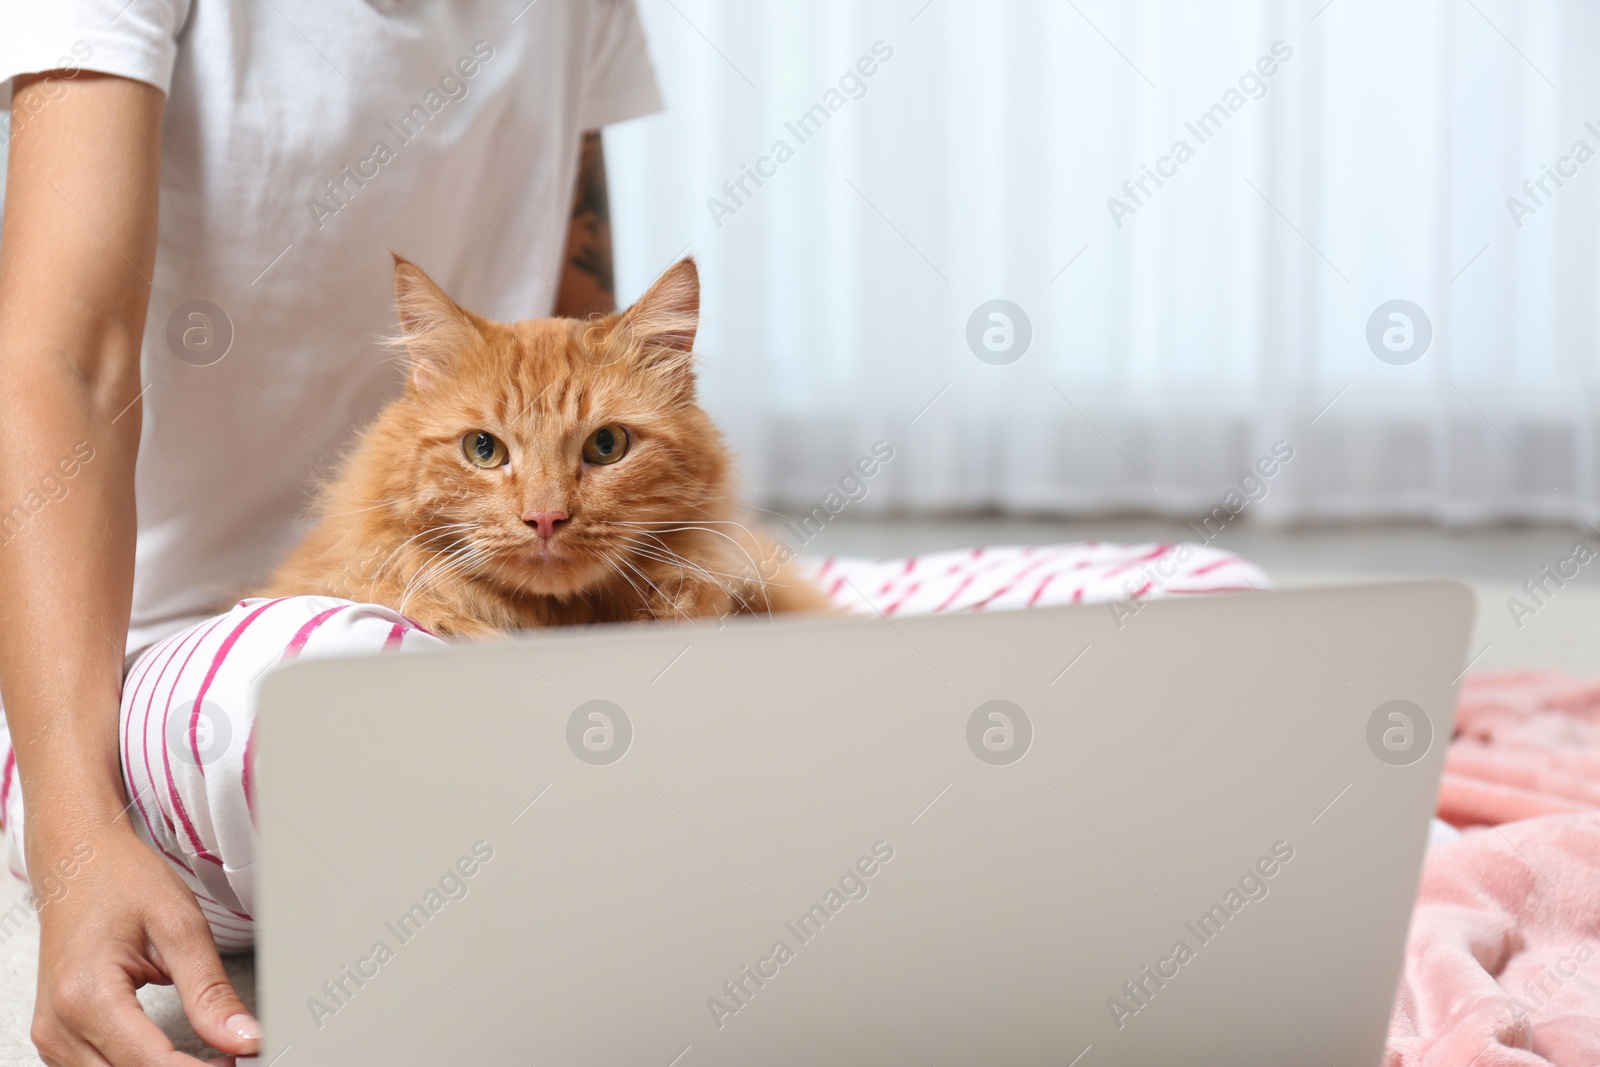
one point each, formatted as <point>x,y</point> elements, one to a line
<point>484,449</point>
<point>606,445</point>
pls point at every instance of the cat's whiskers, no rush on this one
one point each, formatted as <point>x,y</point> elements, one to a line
<point>725,582</point>
<point>673,604</point>
<point>665,554</point>
<point>615,565</point>
<point>682,568</point>
<point>458,557</point>
<point>754,568</point>
<point>420,575</point>
<point>660,544</point>
<point>429,532</point>
<point>662,553</point>
<point>676,507</point>
<point>679,521</point>
<point>654,529</point>
<point>454,537</point>
<point>358,511</point>
<point>450,569</point>
<point>769,511</point>
<point>680,573</point>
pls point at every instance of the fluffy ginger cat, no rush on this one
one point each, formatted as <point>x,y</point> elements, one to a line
<point>541,473</point>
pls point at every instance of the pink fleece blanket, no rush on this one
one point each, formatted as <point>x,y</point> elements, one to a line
<point>1503,964</point>
<point>1527,743</point>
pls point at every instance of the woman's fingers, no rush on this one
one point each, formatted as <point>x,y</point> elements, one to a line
<point>85,1057</point>
<point>189,956</point>
<point>99,1021</point>
<point>58,1046</point>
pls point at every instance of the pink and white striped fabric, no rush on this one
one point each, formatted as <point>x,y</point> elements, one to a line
<point>996,579</point>
<point>188,718</point>
<point>189,701</point>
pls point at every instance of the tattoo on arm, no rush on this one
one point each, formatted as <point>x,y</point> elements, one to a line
<point>586,281</point>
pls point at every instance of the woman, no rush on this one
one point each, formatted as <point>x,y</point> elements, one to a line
<point>200,202</point>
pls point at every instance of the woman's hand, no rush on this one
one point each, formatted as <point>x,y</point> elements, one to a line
<point>123,919</point>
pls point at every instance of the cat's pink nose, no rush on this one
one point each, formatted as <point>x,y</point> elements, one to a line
<point>544,523</point>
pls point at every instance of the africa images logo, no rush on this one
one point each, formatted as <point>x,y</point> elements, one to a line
<point>1399,733</point>
<point>999,732</point>
<point>599,732</point>
<point>1399,332</point>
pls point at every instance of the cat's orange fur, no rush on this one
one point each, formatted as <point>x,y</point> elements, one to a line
<point>410,523</point>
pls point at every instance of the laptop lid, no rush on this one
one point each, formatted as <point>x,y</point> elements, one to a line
<point>1191,832</point>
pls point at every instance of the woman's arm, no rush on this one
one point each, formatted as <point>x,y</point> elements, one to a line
<point>586,282</point>
<point>76,256</point>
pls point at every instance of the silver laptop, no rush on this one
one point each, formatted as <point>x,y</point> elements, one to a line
<point>1068,836</point>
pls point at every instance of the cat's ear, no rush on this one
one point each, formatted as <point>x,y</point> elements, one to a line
<point>433,328</point>
<point>659,328</point>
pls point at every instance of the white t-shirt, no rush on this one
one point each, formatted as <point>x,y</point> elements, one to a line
<point>303,140</point>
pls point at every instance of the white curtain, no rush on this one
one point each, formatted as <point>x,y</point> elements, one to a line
<point>1178,338</point>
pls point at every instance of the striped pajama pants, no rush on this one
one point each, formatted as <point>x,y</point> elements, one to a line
<point>187,729</point>
<point>189,701</point>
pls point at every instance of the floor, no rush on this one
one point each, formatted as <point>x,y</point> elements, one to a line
<point>1558,629</point>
